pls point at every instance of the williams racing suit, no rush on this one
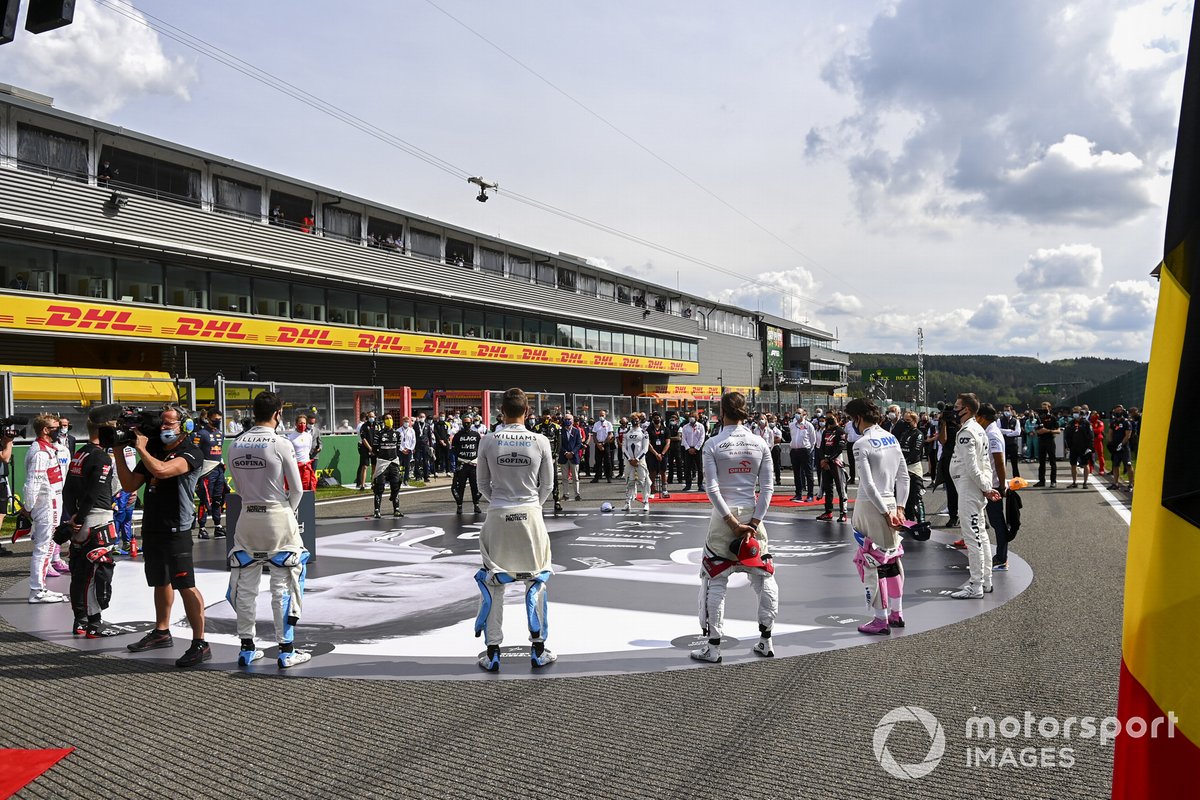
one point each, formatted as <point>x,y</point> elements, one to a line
<point>516,475</point>
<point>735,459</point>
<point>267,532</point>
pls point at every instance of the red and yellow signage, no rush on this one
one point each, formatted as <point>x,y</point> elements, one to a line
<point>689,390</point>
<point>69,316</point>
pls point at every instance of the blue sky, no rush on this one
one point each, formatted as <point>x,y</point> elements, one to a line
<point>996,173</point>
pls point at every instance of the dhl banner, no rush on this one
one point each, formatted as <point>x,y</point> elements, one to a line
<point>689,390</point>
<point>69,316</point>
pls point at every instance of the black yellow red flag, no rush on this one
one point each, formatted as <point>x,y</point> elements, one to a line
<point>1160,651</point>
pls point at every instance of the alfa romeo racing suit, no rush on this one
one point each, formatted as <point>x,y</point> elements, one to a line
<point>971,471</point>
<point>267,533</point>
<point>42,496</point>
<point>516,475</point>
<point>734,460</point>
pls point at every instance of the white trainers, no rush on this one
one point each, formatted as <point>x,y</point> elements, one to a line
<point>969,591</point>
<point>293,658</point>
<point>625,508</point>
<point>248,657</point>
<point>46,596</point>
<point>764,648</point>
<point>544,659</point>
<point>646,508</point>
<point>710,653</point>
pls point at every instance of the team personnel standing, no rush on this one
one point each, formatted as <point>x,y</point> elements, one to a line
<point>169,468</point>
<point>691,438</point>
<point>634,446</point>
<point>1120,432</point>
<point>516,471</point>
<point>971,470</point>
<point>570,443</point>
<point>42,495</point>
<point>549,428</point>
<point>602,434</point>
<point>465,449</point>
<point>829,457</point>
<point>211,490</point>
<point>386,447</point>
<point>877,516</point>
<point>267,534</point>
<point>366,456</point>
<point>734,460</point>
<point>1047,429</point>
<point>656,456</point>
<point>88,501</point>
<point>804,439</point>
<point>6,445</point>
<point>302,442</point>
<point>1010,428</point>
<point>995,508</point>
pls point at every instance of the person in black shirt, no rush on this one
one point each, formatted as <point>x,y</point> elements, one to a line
<point>465,446</point>
<point>831,441</point>
<point>386,450</point>
<point>553,433</point>
<point>170,469</point>
<point>210,438</point>
<point>674,462</point>
<point>948,426</point>
<point>1047,429</point>
<point>366,457</point>
<point>1120,433</point>
<point>88,507</point>
<point>656,456</point>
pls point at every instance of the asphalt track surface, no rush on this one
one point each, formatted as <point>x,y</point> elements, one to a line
<point>802,727</point>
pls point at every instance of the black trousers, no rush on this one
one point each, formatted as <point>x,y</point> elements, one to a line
<point>693,469</point>
<point>464,473</point>
<point>831,479</point>
<point>802,472</point>
<point>1046,451</point>
<point>776,458</point>
<point>1013,454</point>
<point>391,477</point>
<point>603,467</point>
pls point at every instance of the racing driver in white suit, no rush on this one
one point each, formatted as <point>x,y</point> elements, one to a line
<point>877,514</point>
<point>971,470</point>
<point>515,469</point>
<point>43,498</point>
<point>267,478</point>
<point>735,459</point>
<point>634,445</point>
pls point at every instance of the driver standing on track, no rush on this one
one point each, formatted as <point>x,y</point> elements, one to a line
<point>734,459</point>
<point>263,464</point>
<point>516,475</point>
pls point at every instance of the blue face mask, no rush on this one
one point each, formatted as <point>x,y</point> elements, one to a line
<point>168,436</point>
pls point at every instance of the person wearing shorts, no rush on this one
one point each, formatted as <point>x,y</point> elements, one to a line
<point>169,469</point>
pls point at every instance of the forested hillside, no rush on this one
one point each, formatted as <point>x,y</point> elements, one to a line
<point>997,379</point>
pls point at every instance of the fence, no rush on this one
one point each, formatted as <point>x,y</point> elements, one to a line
<point>336,407</point>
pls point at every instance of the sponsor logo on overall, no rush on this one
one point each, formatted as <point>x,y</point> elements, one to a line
<point>743,466</point>
<point>514,460</point>
<point>517,517</point>
<point>249,462</point>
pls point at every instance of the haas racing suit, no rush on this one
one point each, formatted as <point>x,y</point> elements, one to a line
<point>267,533</point>
<point>734,460</point>
<point>465,448</point>
<point>42,497</point>
<point>883,486</point>
<point>387,467</point>
<point>553,435</point>
<point>211,489</point>
<point>516,475</point>
<point>971,471</point>
<point>88,501</point>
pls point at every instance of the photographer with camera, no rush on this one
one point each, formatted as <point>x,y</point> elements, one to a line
<point>9,429</point>
<point>89,527</point>
<point>43,503</point>
<point>169,467</point>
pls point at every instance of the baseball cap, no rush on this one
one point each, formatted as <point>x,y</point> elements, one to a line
<point>750,553</point>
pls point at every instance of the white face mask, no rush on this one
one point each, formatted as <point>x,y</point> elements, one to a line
<point>891,415</point>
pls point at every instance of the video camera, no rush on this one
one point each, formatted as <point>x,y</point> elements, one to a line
<point>129,420</point>
<point>12,427</point>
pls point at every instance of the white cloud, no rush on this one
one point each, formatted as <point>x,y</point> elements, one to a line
<point>1126,306</point>
<point>840,303</point>
<point>1066,266</point>
<point>788,293</point>
<point>1022,111</point>
<point>97,63</point>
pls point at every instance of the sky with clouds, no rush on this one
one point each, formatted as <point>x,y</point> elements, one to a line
<point>996,173</point>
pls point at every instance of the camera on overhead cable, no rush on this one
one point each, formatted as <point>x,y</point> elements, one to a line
<point>126,423</point>
<point>484,186</point>
<point>13,427</point>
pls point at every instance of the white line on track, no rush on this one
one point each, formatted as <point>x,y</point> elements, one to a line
<point>1112,500</point>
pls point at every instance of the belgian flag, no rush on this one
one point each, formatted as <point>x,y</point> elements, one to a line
<point>1160,652</point>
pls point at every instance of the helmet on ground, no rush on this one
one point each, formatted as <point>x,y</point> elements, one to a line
<point>606,507</point>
